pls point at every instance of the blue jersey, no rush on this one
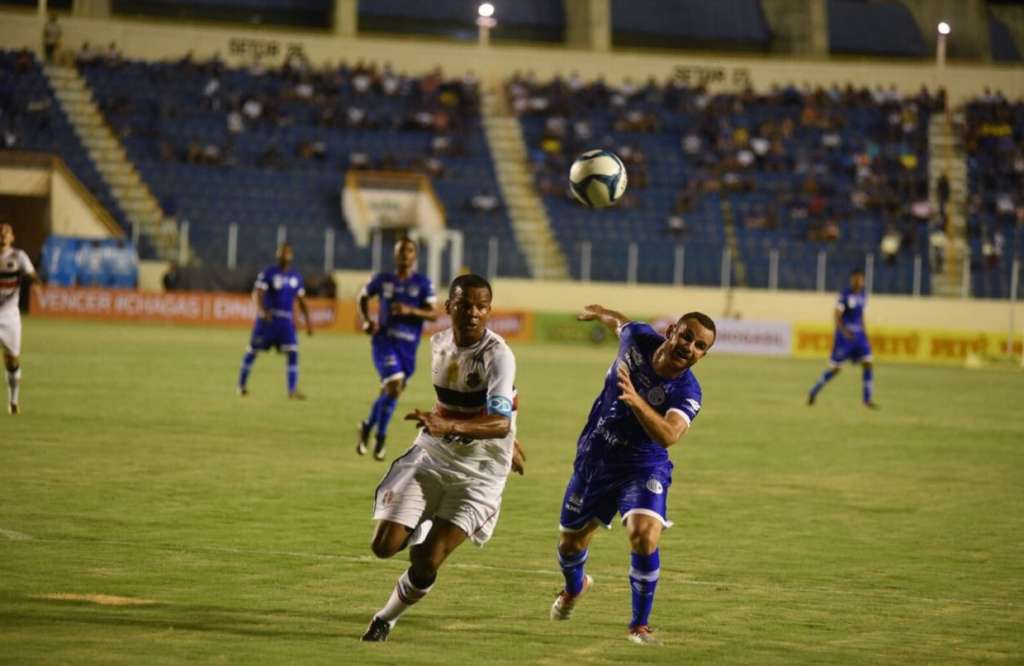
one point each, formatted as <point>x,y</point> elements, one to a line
<point>280,287</point>
<point>416,290</point>
<point>613,437</point>
<point>851,306</point>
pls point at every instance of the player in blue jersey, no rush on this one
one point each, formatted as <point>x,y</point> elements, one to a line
<point>851,340</point>
<point>407,299</point>
<point>277,289</point>
<point>649,399</point>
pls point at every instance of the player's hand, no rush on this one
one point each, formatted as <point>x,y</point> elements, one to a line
<point>266,315</point>
<point>590,313</point>
<point>629,394</point>
<point>401,309</point>
<point>370,327</point>
<point>518,458</point>
<point>847,333</point>
<point>433,423</point>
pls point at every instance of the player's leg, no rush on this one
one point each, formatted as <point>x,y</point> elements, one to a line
<point>385,360</point>
<point>416,582</point>
<point>10,343</point>
<point>868,381</point>
<point>405,354</point>
<point>12,366</point>
<point>288,342</point>
<point>258,341</point>
<point>582,513</point>
<point>645,566</point>
<point>830,373</point>
<point>643,507</point>
<point>388,401</point>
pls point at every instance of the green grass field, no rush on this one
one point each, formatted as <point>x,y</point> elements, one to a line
<point>241,526</point>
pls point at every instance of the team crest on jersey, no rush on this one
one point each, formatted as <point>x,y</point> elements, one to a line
<point>656,396</point>
<point>473,379</point>
<point>10,265</point>
<point>655,486</point>
<point>414,290</point>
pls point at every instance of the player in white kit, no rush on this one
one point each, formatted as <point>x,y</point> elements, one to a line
<point>15,266</point>
<point>447,487</point>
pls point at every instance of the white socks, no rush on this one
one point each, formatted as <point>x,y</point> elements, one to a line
<point>13,384</point>
<point>404,595</point>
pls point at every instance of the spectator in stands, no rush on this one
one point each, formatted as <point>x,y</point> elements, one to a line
<point>943,191</point>
<point>86,55</point>
<point>676,226</point>
<point>113,57</point>
<point>51,37</point>
<point>937,242</point>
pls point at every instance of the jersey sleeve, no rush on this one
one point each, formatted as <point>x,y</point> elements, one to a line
<point>26,264</point>
<point>261,281</point>
<point>841,302</point>
<point>501,379</point>
<point>686,403</point>
<point>429,295</point>
<point>371,288</point>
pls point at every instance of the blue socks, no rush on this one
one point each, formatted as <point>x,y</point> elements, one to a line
<point>385,409</point>
<point>293,371</point>
<point>869,384</point>
<point>247,361</point>
<point>572,569</point>
<point>643,581</point>
<point>380,414</point>
<point>825,377</point>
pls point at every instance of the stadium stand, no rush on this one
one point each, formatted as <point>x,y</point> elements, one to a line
<point>1004,49</point>
<point>993,138</point>
<point>265,148</point>
<point>32,119</point>
<point>797,171</point>
<point>875,28</point>
<point>537,20</point>
<point>736,24</point>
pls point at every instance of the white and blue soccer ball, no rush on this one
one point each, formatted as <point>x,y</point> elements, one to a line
<point>597,178</point>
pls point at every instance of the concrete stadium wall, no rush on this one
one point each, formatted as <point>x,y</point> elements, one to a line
<point>155,40</point>
<point>71,214</point>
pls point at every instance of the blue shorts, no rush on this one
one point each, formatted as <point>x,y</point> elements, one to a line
<point>855,350</point>
<point>279,332</point>
<point>393,358</point>
<point>643,491</point>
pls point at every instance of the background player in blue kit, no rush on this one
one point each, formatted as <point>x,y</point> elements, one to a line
<point>277,289</point>
<point>851,340</point>
<point>648,402</point>
<point>407,299</point>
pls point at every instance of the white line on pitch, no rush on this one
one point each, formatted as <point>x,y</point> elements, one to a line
<point>15,536</point>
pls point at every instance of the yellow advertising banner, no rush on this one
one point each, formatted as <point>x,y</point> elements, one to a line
<point>908,345</point>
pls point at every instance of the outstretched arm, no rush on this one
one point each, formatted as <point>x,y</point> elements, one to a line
<point>665,430</point>
<point>484,426</point>
<point>612,320</point>
<point>405,310</point>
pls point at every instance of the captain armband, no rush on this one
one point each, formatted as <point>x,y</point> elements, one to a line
<point>499,405</point>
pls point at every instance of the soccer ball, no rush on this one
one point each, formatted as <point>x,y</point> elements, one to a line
<point>597,178</point>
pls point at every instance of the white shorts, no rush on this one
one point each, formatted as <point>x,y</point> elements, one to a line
<point>10,333</point>
<point>418,488</point>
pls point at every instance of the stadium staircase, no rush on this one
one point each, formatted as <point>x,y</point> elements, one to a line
<point>948,156</point>
<point>128,188</point>
<point>739,267</point>
<point>529,217</point>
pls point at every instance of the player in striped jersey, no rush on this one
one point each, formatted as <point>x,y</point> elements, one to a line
<point>15,267</point>
<point>447,487</point>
